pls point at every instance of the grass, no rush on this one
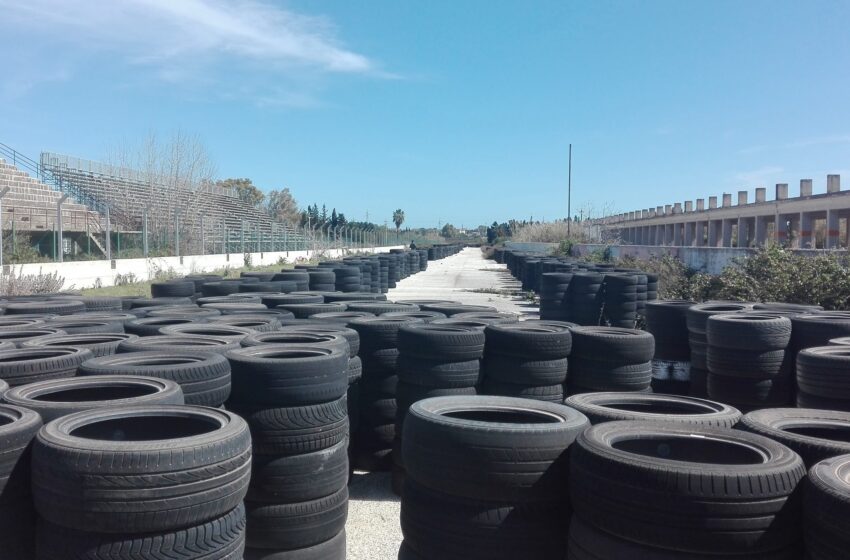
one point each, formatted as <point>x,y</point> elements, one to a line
<point>143,289</point>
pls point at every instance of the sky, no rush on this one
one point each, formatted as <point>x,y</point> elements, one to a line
<point>456,111</point>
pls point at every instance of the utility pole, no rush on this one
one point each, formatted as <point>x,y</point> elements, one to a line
<point>569,190</point>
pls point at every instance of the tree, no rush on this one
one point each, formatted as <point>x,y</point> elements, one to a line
<point>334,218</point>
<point>282,206</point>
<point>398,219</point>
<point>324,216</point>
<point>245,189</point>
<point>448,231</point>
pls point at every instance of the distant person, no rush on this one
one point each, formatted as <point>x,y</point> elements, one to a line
<point>412,245</point>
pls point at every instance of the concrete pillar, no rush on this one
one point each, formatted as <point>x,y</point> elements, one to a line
<point>805,228</point>
<point>689,206</point>
<point>712,202</point>
<point>712,233</point>
<point>659,210</point>
<point>699,233</point>
<point>677,208</point>
<point>677,235</point>
<point>781,229</point>
<point>805,187</point>
<point>657,235</point>
<point>668,234</point>
<point>742,198</point>
<point>761,230</point>
<point>832,230</point>
<point>668,209</point>
<point>761,194</point>
<point>689,234</point>
<point>700,204</point>
<point>781,191</point>
<point>727,200</point>
<point>833,183</point>
<point>726,231</point>
<point>743,232</point>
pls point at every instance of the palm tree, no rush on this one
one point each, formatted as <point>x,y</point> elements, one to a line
<point>398,219</point>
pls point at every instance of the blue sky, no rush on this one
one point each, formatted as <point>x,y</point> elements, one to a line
<point>457,111</point>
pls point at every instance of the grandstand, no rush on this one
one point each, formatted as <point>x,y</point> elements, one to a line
<point>202,218</point>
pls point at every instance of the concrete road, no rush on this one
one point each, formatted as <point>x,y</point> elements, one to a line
<point>373,531</point>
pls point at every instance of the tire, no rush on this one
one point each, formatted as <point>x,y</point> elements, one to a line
<point>49,307</point>
<point>299,338</point>
<point>99,344</point>
<point>191,465</point>
<point>257,323</point>
<point>295,430</point>
<point>150,326</point>
<point>17,516</point>
<point>350,335</point>
<point>440,342</point>
<point>438,373</point>
<point>169,344</point>
<point>28,365</point>
<point>172,289</point>
<point>590,543</point>
<point>204,377</point>
<point>60,397</point>
<point>744,483</point>
<point>826,510</point>
<point>818,329</point>
<point>804,400</point>
<point>407,394</point>
<point>610,407</point>
<point>74,325</point>
<point>815,435</point>
<point>289,375</point>
<point>19,336</point>
<point>748,363</point>
<point>379,332</point>
<point>298,478</point>
<point>540,340</point>
<point>748,331</point>
<point>822,372</point>
<point>524,371</point>
<point>493,318</point>
<point>437,525</point>
<point>222,538</point>
<point>746,393</point>
<point>522,460</point>
<point>606,376</point>
<point>545,393</point>
<point>307,310</point>
<point>449,309</point>
<point>697,315</point>
<point>235,308</point>
<point>273,300</point>
<point>296,525</point>
<point>613,345</point>
<point>226,332</point>
<point>333,549</point>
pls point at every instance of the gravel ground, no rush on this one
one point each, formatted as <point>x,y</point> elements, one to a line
<point>373,531</point>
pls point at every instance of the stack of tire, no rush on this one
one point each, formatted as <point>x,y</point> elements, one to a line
<point>142,481</point>
<point>610,359</point>
<point>17,516</point>
<point>671,364</point>
<point>347,278</point>
<point>21,366</point>
<point>433,361</point>
<point>826,509</point>
<point>813,434</point>
<point>322,280</point>
<point>379,353</point>
<point>487,478</point>
<point>822,377</point>
<point>817,328</point>
<point>585,298</point>
<point>527,360</point>
<point>697,317</point>
<point>748,360</point>
<point>553,296</point>
<point>293,397</point>
<point>384,272</point>
<point>620,303</point>
<point>715,493</point>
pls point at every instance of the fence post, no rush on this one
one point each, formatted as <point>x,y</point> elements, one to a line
<point>3,193</point>
<point>108,237</point>
<point>176,233</point>
<point>243,237</point>
<point>145,233</point>
<point>203,238</point>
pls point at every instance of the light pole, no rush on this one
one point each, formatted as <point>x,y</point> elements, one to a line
<point>59,249</point>
<point>3,193</point>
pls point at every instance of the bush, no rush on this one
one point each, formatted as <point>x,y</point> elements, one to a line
<point>19,284</point>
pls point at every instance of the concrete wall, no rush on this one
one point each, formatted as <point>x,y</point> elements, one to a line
<point>88,274</point>
<point>704,259</point>
<point>531,247</point>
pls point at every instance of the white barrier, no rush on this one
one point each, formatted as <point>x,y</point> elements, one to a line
<point>90,274</point>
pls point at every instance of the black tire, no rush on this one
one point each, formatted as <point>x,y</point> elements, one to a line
<point>518,455</point>
<point>184,311</point>
<point>295,430</point>
<point>804,400</point>
<point>169,344</point>
<point>545,393</point>
<point>407,394</point>
<point>172,289</point>
<point>440,342</point>
<point>333,549</point>
<point>493,318</point>
<point>380,332</point>
<point>60,397</point>
<point>524,371</point>
<point>94,303</point>
<point>350,335</point>
<point>49,307</point>
<point>612,344</point>
<point>74,325</point>
<point>236,308</point>
<point>328,340</point>
<point>815,435</point>
<point>438,373</point>
<point>296,525</point>
<point>99,344</point>
<point>450,309</point>
<point>541,340</point>
<point>607,376</point>
<point>437,525</point>
<point>748,331</point>
<point>17,516</point>
<point>177,466</point>
<point>822,372</point>
<point>611,406</point>
<point>222,538</point>
<point>273,300</point>
<point>289,375</point>
<point>19,336</point>
<point>28,365</point>
<point>204,377</point>
<point>278,479</point>
<point>257,323</point>
<point>697,315</point>
<point>746,393</point>
<point>425,316</point>
<point>748,363</point>
<point>226,332</point>
<point>826,510</point>
<point>307,310</point>
<point>150,326</point>
<point>745,483</point>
